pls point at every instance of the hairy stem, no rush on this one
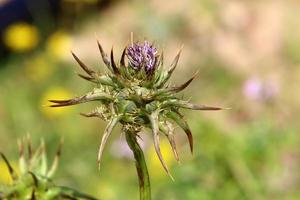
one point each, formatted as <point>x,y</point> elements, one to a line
<point>141,167</point>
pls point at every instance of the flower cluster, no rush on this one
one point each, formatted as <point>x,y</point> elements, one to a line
<point>142,56</point>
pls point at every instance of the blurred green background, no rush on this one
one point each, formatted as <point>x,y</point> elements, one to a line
<point>248,56</point>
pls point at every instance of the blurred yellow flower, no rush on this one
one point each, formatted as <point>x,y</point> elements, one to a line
<point>54,93</point>
<point>4,175</point>
<point>59,44</point>
<point>38,69</point>
<point>155,166</point>
<point>21,37</point>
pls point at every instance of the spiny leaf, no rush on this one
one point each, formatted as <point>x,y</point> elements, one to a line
<point>155,130</point>
<point>188,105</point>
<point>108,130</point>
<point>92,96</point>
<point>185,104</point>
<point>83,66</point>
<point>184,125</point>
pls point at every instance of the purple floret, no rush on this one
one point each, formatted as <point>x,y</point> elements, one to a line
<point>142,56</point>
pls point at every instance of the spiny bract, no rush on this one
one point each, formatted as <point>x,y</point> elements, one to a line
<point>34,180</point>
<point>135,94</point>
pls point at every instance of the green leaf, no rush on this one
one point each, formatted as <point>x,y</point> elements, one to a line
<point>95,95</point>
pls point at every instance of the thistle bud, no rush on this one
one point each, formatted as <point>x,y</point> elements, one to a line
<point>137,96</point>
<point>142,56</point>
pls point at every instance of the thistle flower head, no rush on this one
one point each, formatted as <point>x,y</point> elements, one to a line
<point>136,95</point>
<point>142,56</point>
<point>35,178</point>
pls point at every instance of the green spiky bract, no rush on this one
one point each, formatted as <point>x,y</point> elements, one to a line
<point>34,180</point>
<point>135,94</point>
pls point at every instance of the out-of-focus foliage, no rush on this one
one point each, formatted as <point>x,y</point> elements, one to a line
<point>247,54</point>
<point>34,180</point>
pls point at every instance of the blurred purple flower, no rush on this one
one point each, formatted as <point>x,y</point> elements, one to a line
<point>142,56</point>
<point>256,89</point>
<point>120,148</point>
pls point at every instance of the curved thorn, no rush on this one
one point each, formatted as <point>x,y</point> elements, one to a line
<point>34,178</point>
<point>122,61</point>
<point>22,160</point>
<point>107,132</point>
<point>167,74</point>
<point>12,172</point>
<point>29,147</point>
<point>54,165</point>
<point>86,77</point>
<point>171,139</point>
<point>113,64</point>
<point>91,114</point>
<point>83,66</point>
<point>184,125</point>
<point>103,55</point>
<point>198,107</point>
<point>161,60</point>
<point>33,195</point>
<point>169,134</point>
<point>184,85</point>
<point>175,62</point>
<point>155,130</point>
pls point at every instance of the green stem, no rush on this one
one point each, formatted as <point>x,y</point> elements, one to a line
<point>141,167</point>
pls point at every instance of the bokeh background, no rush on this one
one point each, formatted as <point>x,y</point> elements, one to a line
<point>248,57</point>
